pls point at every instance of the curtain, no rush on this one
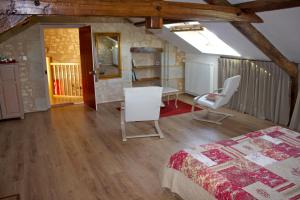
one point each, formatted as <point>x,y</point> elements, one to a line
<point>264,90</point>
<point>295,121</point>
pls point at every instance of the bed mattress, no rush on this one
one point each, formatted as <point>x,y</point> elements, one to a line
<point>262,165</point>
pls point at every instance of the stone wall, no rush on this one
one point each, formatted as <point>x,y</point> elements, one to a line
<point>27,50</point>
<point>173,74</point>
<point>172,60</point>
<point>26,47</point>
<point>62,45</point>
<point>112,89</point>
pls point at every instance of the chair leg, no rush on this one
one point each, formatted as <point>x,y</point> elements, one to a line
<point>193,107</point>
<point>221,113</point>
<point>176,100</point>
<point>207,120</point>
<point>225,115</point>
<point>123,126</point>
<point>158,130</point>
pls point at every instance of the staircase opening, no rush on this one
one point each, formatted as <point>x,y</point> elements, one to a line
<point>62,54</point>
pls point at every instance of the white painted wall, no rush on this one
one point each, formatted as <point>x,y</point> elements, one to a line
<point>282,28</point>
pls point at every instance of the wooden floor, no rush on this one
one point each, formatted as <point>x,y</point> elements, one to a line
<point>74,153</point>
<point>57,100</point>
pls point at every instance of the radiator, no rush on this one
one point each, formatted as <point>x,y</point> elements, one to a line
<point>198,78</point>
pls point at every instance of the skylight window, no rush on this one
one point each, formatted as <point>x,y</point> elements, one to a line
<point>203,40</point>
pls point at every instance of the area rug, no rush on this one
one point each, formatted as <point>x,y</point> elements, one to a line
<point>170,109</point>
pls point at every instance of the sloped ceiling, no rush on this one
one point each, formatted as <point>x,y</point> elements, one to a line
<point>236,40</point>
<point>281,27</point>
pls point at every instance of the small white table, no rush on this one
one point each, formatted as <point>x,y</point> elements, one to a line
<point>168,91</point>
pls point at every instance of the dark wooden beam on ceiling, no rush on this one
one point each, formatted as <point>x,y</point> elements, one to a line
<point>154,23</point>
<point>218,2</point>
<point>9,21</point>
<point>13,24</point>
<point>130,8</point>
<point>261,42</point>
<point>267,5</point>
<point>165,21</point>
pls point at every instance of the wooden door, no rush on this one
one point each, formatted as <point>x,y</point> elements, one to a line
<point>87,69</point>
<point>10,93</point>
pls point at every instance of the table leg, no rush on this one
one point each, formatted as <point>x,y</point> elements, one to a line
<point>168,99</point>
<point>176,100</point>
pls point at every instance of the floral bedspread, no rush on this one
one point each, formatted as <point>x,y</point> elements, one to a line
<point>263,165</point>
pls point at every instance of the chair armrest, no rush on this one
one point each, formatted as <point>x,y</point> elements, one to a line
<point>198,97</point>
<point>218,89</point>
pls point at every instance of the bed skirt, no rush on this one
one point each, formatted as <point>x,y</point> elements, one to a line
<point>182,186</point>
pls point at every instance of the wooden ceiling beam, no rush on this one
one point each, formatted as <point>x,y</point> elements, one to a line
<point>260,41</point>
<point>165,21</point>
<point>10,21</point>
<point>130,8</point>
<point>259,5</point>
<point>267,5</point>
<point>154,23</point>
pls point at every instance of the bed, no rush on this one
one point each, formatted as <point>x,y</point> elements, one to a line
<point>260,165</point>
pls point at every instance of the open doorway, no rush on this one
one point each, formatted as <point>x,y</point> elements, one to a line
<point>68,53</point>
<point>62,54</point>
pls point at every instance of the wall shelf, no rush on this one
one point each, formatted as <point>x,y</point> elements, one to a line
<point>144,80</point>
<point>145,50</point>
<point>147,67</point>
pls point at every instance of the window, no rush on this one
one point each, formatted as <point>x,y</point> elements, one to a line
<point>203,40</point>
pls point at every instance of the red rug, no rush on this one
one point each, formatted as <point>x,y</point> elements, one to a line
<point>170,108</point>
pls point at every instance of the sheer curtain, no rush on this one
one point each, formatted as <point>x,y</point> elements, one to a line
<point>264,90</point>
<point>295,121</point>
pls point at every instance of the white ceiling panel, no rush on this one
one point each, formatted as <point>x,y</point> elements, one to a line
<point>282,28</point>
<point>236,40</point>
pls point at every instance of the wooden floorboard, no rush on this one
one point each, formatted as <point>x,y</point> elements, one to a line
<point>75,153</point>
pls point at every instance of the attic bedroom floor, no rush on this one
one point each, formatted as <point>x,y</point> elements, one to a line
<point>74,153</point>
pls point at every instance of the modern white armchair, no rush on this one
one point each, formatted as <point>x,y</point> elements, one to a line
<point>141,104</point>
<point>222,98</point>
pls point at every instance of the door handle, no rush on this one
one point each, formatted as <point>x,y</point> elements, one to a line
<point>93,72</point>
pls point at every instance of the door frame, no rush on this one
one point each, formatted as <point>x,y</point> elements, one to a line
<point>42,38</point>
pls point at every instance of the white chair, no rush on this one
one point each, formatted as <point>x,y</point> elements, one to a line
<point>141,104</point>
<point>229,88</point>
